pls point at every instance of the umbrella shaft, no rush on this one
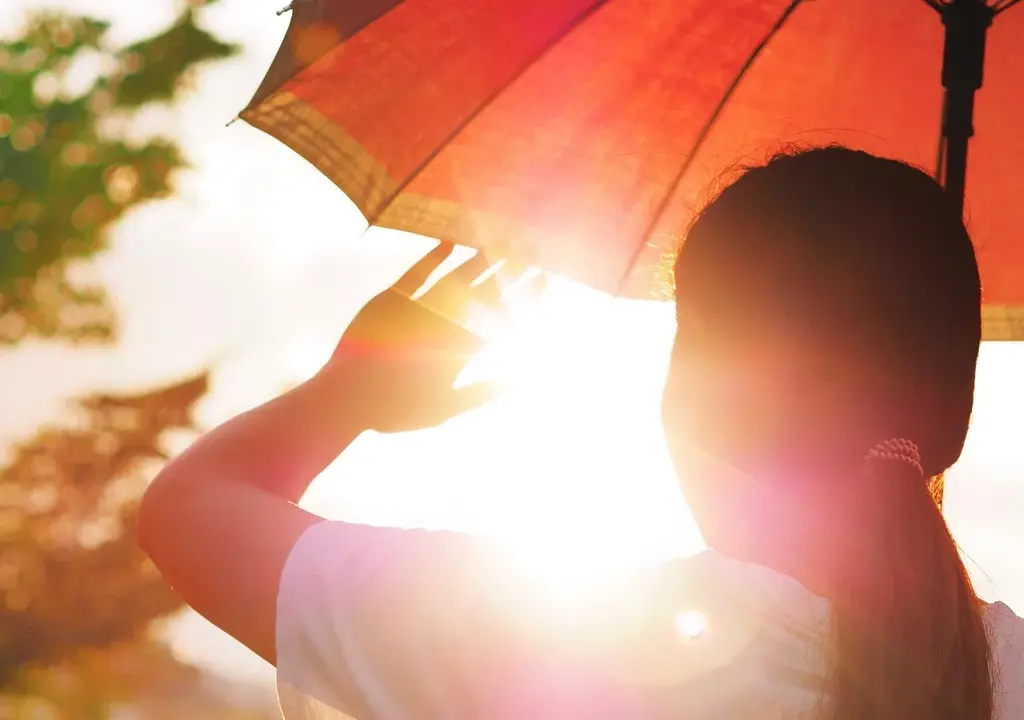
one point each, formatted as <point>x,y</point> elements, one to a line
<point>963,61</point>
<point>955,169</point>
<point>963,72</point>
<point>963,65</point>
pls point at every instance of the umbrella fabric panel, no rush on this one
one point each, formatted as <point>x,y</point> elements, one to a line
<point>868,75</point>
<point>599,105</point>
<point>371,113</point>
<point>555,129</point>
<point>995,173</point>
<point>316,28</point>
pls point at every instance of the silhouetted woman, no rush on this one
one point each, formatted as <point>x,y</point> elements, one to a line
<point>828,309</point>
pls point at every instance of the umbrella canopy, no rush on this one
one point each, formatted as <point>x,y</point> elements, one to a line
<point>582,135</point>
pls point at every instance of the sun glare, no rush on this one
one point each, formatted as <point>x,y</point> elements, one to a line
<point>691,624</point>
<point>568,468</point>
<point>585,372</point>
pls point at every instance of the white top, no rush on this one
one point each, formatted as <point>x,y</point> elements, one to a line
<point>396,624</point>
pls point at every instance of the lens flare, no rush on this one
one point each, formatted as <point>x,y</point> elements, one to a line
<point>691,624</point>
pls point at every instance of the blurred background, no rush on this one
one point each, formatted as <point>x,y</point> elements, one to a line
<point>161,271</point>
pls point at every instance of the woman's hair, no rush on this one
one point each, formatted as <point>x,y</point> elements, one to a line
<point>859,272</point>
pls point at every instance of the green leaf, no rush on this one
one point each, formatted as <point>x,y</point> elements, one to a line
<point>63,183</point>
<point>153,70</point>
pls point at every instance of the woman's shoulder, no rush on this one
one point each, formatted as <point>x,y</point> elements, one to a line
<point>748,587</point>
<point>1000,612</point>
<point>1006,636</point>
<point>726,638</point>
<point>1006,640</point>
<point>1005,630</point>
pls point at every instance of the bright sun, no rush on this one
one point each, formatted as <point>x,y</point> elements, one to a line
<point>587,371</point>
<point>568,469</point>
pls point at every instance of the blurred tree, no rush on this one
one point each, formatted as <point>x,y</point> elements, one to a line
<point>140,681</point>
<point>67,172</point>
<point>76,594</point>
<point>71,576</point>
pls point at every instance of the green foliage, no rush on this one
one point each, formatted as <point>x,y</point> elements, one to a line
<point>157,62</point>
<point>65,175</point>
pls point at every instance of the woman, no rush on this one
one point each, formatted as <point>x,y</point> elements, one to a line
<point>828,310</point>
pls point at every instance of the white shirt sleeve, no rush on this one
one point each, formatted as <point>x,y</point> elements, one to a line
<point>395,624</point>
<point>385,623</point>
<point>381,623</point>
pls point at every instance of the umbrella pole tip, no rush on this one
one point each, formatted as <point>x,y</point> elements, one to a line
<point>290,6</point>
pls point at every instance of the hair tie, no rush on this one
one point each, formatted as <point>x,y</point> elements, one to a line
<point>899,449</point>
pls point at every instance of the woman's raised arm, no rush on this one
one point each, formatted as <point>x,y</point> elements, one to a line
<point>220,520</point>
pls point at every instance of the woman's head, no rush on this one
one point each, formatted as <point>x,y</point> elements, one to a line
<point>827,302</point>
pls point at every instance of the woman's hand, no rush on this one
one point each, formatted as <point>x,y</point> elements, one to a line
<point>221,519</point>
<point>397,362</point>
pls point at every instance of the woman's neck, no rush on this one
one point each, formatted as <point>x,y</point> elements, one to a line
<point>799,532</point>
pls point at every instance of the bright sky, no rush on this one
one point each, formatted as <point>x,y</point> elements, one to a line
<point>260,262</point>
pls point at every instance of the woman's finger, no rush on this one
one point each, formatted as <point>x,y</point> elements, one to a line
<point>471,397</point>
<point>528,288</point>
<point>469,271</point>
<point>488,292</point>
<point>512,281</point>
<point>452,293</point>
<point>415,276</point>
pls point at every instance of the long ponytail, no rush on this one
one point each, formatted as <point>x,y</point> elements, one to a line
<point>844,290</point>
<point>910,638</point>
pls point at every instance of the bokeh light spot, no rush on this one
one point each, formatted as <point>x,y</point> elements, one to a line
<point>691,624</point>
<point>26,240</point>
<point>122,183</point>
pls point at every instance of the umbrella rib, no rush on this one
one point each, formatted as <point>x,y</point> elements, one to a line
<point>702,137</point>
<point>935,5</point>
<point>1003,7</point>
<point>940,156</point>
<point>575,23</point>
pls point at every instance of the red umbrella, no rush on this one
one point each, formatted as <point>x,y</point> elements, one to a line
<point>583,134</point>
